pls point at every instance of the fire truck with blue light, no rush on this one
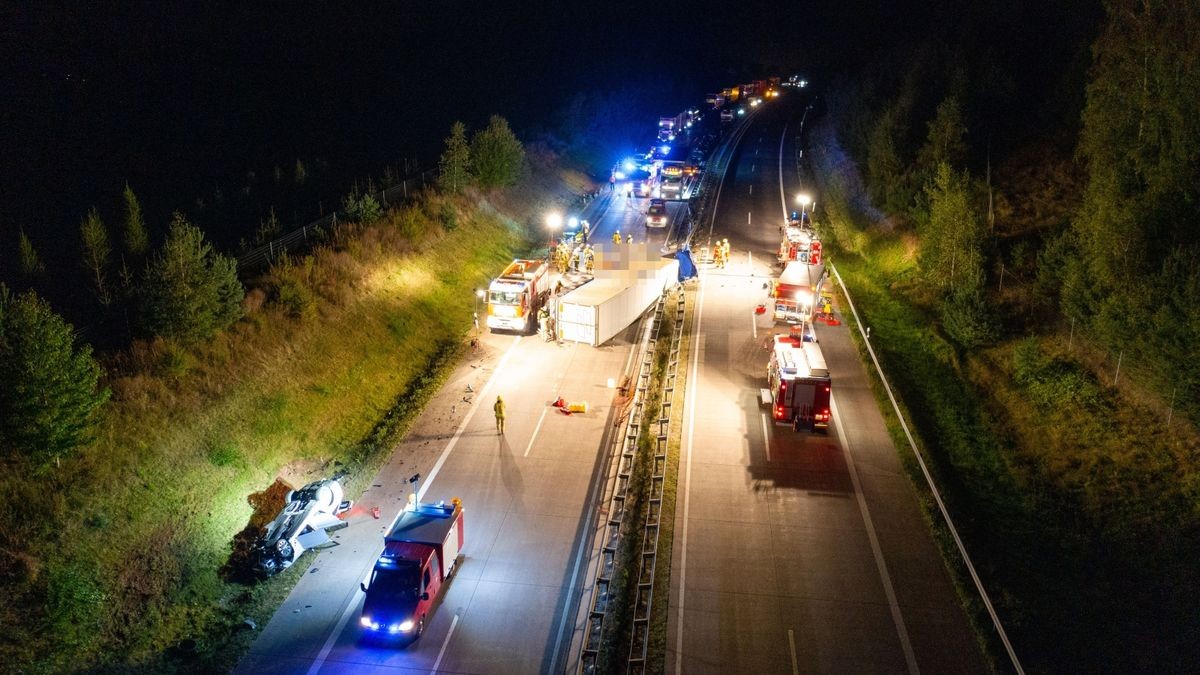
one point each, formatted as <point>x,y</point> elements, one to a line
<point>419,556</point>
<point>800,242</point>
<point>514,297</point>
<point>798,383</point>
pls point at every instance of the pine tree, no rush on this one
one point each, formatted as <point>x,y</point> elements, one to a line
<point>49,393</point>
<point>946,140</point>
<point>190,291</point>
<point>137,242</point>
<point>96,250</point>
<point>951,242</point>
<point>455,162</point>
<point>497,157</point>
<point>31,263</point>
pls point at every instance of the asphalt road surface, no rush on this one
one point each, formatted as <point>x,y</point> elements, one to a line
<point>794,552</point>
<point>526,496</point>
<point>781,549</point>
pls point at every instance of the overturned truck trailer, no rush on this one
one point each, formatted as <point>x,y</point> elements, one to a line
<point>605,306</point>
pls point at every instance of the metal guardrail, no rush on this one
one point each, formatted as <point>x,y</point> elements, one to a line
<point>611,536</point>
<point>912,444</point>
<point>643,605</point>
<point>316,231</point>
<point>714,176</point>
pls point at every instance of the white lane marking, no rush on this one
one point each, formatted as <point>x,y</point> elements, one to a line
<point>341,624</point>
<point>753,167</point>
<point>766,439</point>
<point>692,385</point>
<point>337,630</point>
<point>754,324</point>
<point>748,218</point>
<point>880,563</point>
<point>751,189</point>
<point>437,467</point>
<point>782,199</point>
<point>535,432</point>
<point>446,642</point>
<point>792,644</point>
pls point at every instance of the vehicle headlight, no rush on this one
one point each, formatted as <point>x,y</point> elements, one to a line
<point>368,623</point>
<point>406,625</point>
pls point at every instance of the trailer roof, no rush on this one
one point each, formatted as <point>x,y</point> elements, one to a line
<point>596,291</point>
<point>798,273</point>
<point>428,524</point>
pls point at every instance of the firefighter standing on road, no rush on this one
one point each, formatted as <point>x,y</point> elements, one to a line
<point>617,237</point>
<point>630,238</point>
<point>498,407</point>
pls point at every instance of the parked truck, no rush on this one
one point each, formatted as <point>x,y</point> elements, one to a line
<point>419,556</point>
<point>796,291</point>
<point>798,383</point>
<point>515,296</point>
<point>599,309</point>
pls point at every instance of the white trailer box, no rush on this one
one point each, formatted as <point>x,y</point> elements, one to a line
<point>603,307</point>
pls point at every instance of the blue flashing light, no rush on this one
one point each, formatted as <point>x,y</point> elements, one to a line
<point>665,149</point>
<point>629,166</point>
<point>572,222</point>
<point>619,175</point>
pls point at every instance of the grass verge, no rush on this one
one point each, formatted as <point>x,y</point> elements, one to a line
<point>1080,516</point>
<point>123,548</point>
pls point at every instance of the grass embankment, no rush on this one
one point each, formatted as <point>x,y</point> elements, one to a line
<point>125,549</point>
<point>618,624</point>
<point>1078,506</point>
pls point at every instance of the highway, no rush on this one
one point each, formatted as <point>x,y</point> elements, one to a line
<point>793,552</point>
<point>527,497</point>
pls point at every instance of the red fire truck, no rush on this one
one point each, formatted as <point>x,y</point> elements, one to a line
<point>798,383</point>
<point>800,244</point>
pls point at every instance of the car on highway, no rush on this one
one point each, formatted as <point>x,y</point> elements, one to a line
<point>641,183</point>
<point>656,215</point>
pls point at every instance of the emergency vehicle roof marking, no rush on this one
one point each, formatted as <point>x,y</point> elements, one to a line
<point>429,523</point>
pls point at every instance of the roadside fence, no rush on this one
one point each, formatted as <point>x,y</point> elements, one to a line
<point>305,237</point>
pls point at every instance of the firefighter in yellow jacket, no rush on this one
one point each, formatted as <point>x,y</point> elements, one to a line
<point>498,408</point>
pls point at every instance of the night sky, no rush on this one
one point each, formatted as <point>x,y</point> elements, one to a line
<point>182,101</point>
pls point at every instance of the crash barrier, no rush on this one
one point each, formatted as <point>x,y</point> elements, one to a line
<point>610,535</point>
<point>318,230</point>
<point>640,639</point>
<point>710,186</point>
<point>962,549</point>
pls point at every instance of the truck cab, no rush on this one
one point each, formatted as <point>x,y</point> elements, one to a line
<point>514,298</point>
